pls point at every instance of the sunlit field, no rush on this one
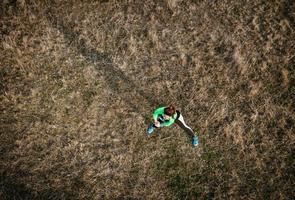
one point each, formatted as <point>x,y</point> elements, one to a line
<point>79,81</point>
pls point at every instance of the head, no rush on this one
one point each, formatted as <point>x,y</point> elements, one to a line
<point>169,112</point>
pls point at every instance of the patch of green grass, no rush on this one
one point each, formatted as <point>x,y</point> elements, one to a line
<point>179,187</point>
<point>211,154</point>
<point>88,96</point>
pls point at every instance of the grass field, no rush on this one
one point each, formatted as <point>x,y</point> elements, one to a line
<point>79,81</point>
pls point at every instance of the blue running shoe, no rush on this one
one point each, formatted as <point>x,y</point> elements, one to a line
<point>150,129</point>
<point>195,141</point>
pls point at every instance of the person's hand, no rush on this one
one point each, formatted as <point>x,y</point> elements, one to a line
<point>157,123</point>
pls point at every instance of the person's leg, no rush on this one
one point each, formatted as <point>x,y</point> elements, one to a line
<point>151,128</point>
<point>180,121</point>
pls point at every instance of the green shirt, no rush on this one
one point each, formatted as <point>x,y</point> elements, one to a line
<point>159,112</point>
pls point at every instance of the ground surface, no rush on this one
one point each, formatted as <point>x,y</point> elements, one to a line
<point>79,81</point>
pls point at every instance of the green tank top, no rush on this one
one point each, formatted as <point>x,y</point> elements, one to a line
<point>159,113</point>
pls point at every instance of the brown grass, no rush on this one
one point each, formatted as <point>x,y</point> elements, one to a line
<point>79,81</point>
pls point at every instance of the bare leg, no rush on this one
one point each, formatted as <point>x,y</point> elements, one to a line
<point>180,121</point>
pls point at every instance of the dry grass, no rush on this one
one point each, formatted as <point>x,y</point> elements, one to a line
<point>79,82</point>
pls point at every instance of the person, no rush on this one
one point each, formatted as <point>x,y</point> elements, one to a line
<point>166,116</point>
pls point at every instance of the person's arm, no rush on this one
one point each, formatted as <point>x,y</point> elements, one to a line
<point>157,112</point>
<point>168,123</point>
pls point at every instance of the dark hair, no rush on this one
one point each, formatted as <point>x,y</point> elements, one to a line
<point>170,110</point>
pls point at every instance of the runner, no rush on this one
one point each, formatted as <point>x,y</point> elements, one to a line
<point>166,116</point>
